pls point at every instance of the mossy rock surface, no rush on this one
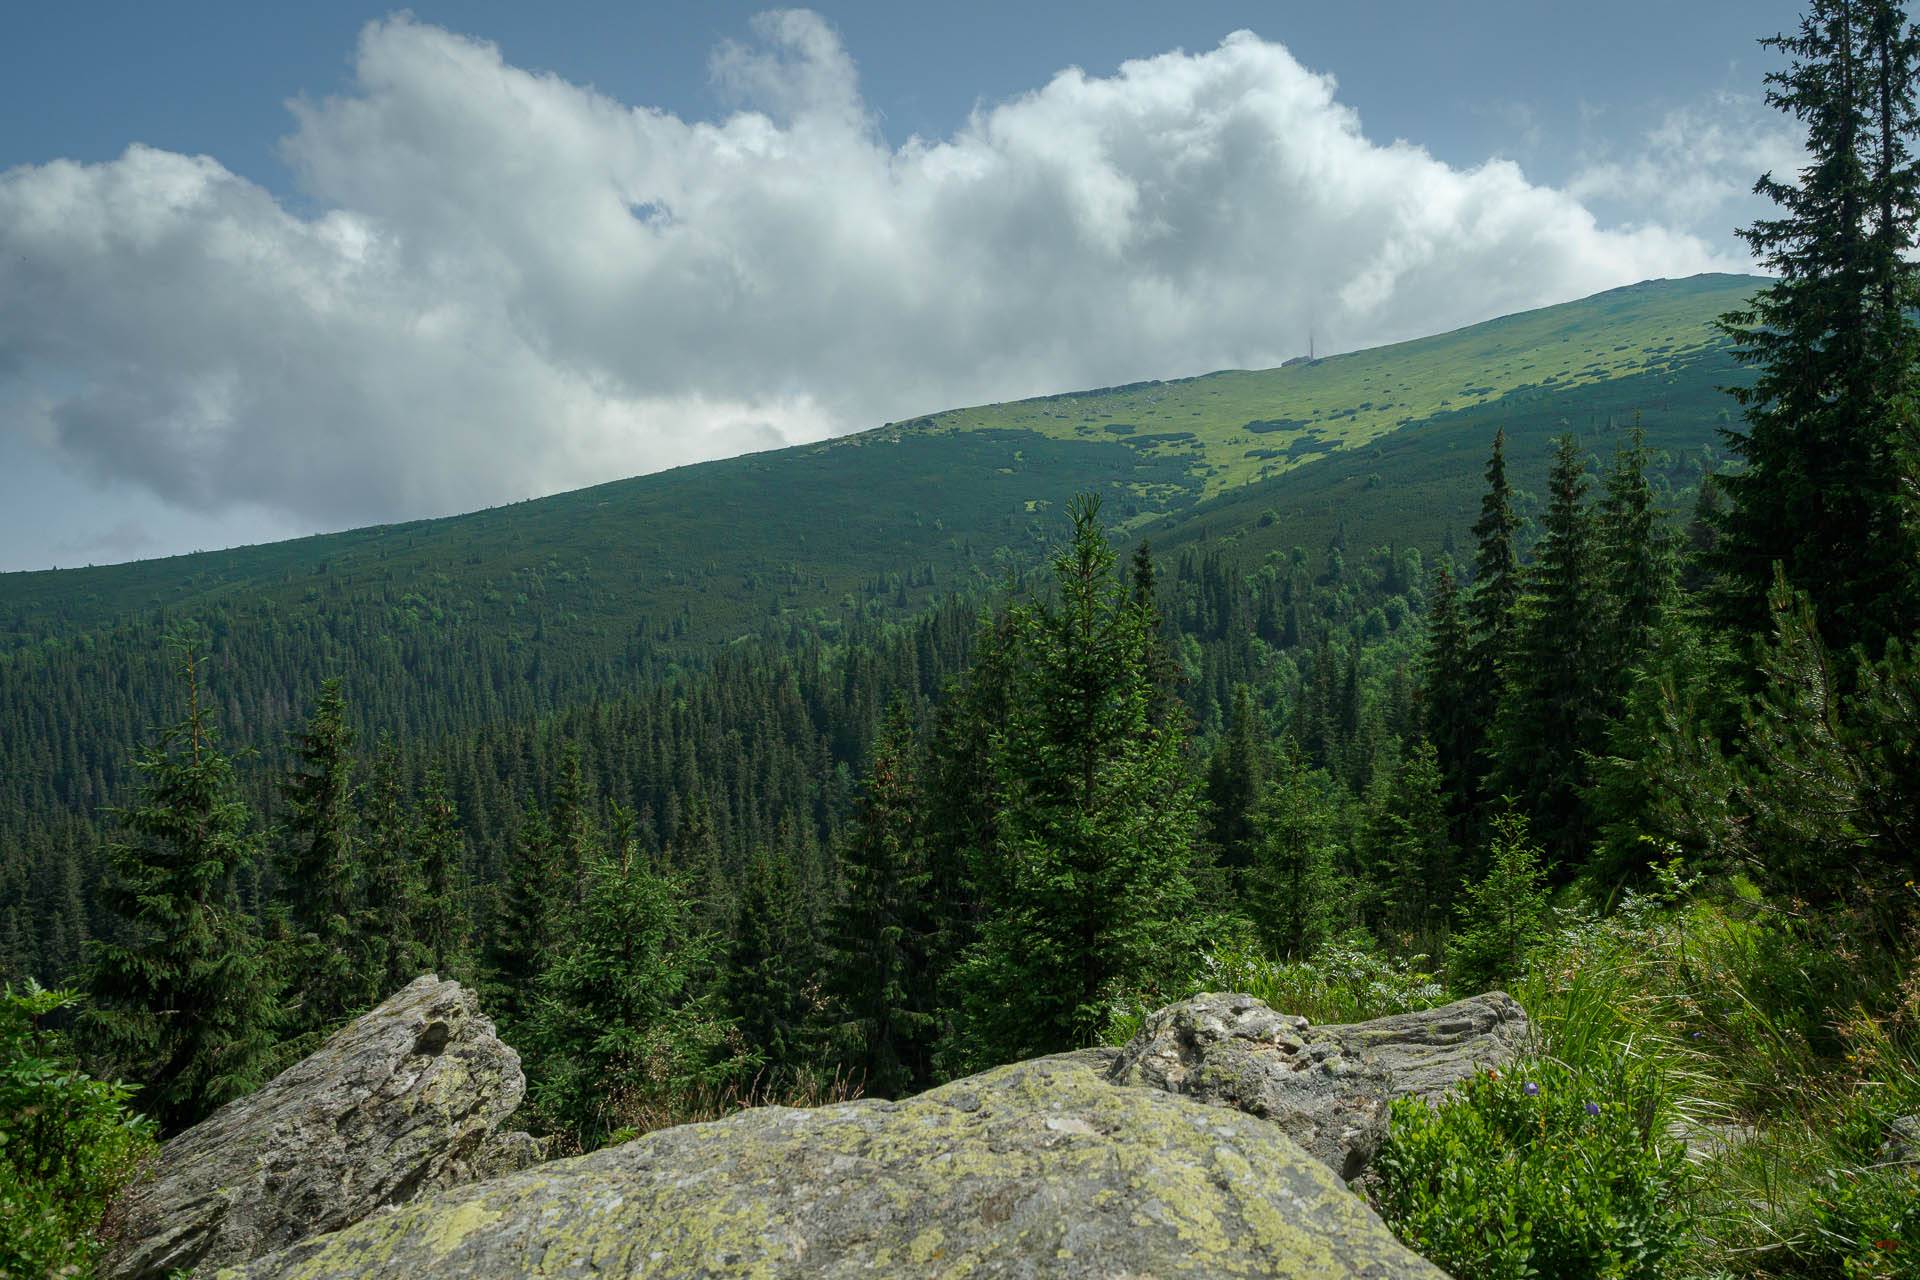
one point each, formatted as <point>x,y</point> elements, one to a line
<point>1040,1169</point>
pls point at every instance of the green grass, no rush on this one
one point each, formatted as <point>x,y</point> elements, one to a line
<point>1237,427</point>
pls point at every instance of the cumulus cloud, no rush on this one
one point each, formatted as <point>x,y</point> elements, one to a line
<point>500,284</point>
<point>1698,163</point>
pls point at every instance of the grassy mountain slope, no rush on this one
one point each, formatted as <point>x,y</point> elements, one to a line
<point>1390,438</point>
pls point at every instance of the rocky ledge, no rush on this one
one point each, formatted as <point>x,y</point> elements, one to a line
<point>404,1100</point>
<point>1043,1169</point>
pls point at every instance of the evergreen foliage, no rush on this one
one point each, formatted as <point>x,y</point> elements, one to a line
<point>1830,420</point>
<point>886,930</point>
<point>1552,710</point>
<point>67,1143</point>
<point>1504,915</point>
<point>320,867</point>
<point>1089,893</point>
<point>182,1004</point>
<point>443,918</point>
<point>1292,888</point>
<point>620,1028</point>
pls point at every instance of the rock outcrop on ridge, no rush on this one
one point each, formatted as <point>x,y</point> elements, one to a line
<point>1042,1169</point>
<point>1328,1088</point>
<point>404,1100</point>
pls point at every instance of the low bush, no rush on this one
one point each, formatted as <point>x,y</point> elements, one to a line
<point>67,1144</point>
<point>1539,1171</point>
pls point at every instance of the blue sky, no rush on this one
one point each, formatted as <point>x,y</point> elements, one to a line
<point>271,270</point>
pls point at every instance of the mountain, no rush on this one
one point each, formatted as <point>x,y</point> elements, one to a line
<point>710,552</point>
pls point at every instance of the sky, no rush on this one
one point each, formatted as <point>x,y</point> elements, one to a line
<point>272,270</point>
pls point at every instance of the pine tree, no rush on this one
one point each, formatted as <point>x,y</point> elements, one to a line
<point>1448,698</point>
<point>525,935</point>
<point>1505,914</point>
<point>1236,776</point>
<point>1293,883</point>
<point>885,931</point>
<point>1553,711</point>
<point>1638,566</point>
<point>622,1035</point>
<point>390,880</point>
<point>769,970</point>
<point>182,1003</point>
<point>1831,416</point>
<point>319,867</point>
<point>1491,612</point>
<point>1098,819</point>
<point>440,853</point>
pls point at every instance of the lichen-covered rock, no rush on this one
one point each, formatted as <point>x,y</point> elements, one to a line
<point>403,1100</point>
<point>1042,1169</point>
<point>1328,1087</point>
<point>1231,1050</point>
<point>1430,1051</point>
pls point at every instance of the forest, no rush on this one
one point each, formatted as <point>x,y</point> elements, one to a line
<point>1640,745</point>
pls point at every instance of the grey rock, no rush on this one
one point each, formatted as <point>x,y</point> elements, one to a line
<point>1231,1050</point>
<point>405,1099</point>
<point>1329,1088</point>
<point>1432,1050</point>
<point>1042,1169</point>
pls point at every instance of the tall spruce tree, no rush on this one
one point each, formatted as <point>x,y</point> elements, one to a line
<point>1639,567</point>
<point>885,931</point>
<point>182,1002</point>
<point>1293,883</point>
<point>1098,820</point>
<point>1553,710</point>
<point>319,867</point>
<point>390,881</point>
<point>1830,419</point>
<point>769,978</point>
<point>1491,612</point>
<point>1448,699</point>
<point>443,918</point>
<point>1236,776</point>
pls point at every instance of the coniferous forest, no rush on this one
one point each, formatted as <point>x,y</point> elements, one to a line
<point>1640,745</point>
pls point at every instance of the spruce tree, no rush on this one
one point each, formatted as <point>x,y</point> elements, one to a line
<point>1638,566</point>
<point>769,967</point>
<point>885,931</point>
<point>390,881</point>
<point>182,1003</point>
<point>1503,915</point>
<point>623,1037</point>
<point>1830,419</point>
<point>1552,714</point>
<point>1448,698</point>
<point>1098,819</point>
<point>443,920</point>
<point>319,868</point>
<point>1236,775</point>
<point>1294,880</point>
<point>1491,609</point>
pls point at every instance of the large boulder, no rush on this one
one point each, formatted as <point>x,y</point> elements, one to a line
<point>407,1099</point>
<point>1042,1169</point>
<point>1329,1088</point>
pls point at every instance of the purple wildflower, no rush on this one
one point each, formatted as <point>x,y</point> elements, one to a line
<point>1593,1108</point>
<point>1533,1090</point>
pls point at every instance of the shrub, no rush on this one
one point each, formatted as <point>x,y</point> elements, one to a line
<point>1539,1171</point>
<point>67,1144</point>
<point>1341,983</point>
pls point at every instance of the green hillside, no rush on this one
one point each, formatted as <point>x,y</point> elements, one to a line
<point>708,553</point>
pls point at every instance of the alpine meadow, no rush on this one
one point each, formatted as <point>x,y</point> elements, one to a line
<point>1574,655</point>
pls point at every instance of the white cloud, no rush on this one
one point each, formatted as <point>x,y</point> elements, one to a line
<point>1698,163</point>
<point>515,285</point>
